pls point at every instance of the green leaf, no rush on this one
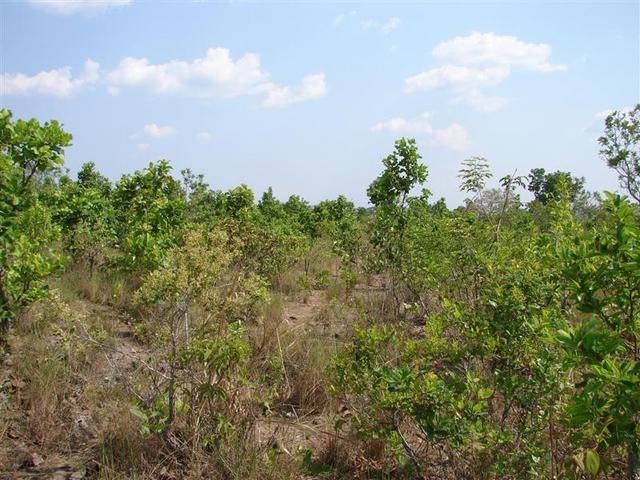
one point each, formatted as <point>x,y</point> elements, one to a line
<point>138,413</point>
<point>592,462</point>
<point>484,393</point>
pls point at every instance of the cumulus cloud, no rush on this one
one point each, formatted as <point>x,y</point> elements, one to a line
<point>313,86</point>
<point>454,136</point>
<point>216,75</point>
<point>489,48</point>
<point>204,136</point>
<point>58,82</point>
<point>455,75</point>
<point>481,60</point>
<point>71,7</point>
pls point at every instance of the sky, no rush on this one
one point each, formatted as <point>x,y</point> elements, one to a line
<point>308,97</point>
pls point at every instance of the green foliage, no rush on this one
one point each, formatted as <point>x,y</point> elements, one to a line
<point>547,186</point>
<point>206,354</point>
<point>620,148</point>
<point>29,152</point>
<point>337,220</point>
<point>510,349</point>
<point>602,269</point>
<point>85,212</point>
<point>402,172</point>
<point>389,193</point>
<point>151,208</point>
<point>474,174</point>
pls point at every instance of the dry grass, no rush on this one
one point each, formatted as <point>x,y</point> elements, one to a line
<point>70,403</point>
<point>305,361</point>
<point>101,288</point>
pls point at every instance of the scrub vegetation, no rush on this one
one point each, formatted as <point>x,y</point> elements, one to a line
<point>156,328</point>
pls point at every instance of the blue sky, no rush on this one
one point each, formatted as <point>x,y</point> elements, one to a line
<point>308,97</point>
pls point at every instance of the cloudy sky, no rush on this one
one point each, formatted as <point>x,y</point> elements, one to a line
<point>308,97</point>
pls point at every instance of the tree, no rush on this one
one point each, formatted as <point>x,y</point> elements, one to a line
<point>389,193</point>
<point>402,172</point>
<point>85,211</point>
<point>337,219</point>
<point>202,353</point>
<point>270,207</point>
<point>620,148</point>
<point>151,207</point>
<point>546,186</point>
<point>474,174</point>
<point>28,151</point>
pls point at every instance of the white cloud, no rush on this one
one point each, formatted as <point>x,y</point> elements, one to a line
<point>489,48</point>
<point>155,131</point>
<point>313,86</point>
<point>71,7</point>
<point>216,75</point>
<point>454,136</point>
<point>454,75</point>
<point>481,60</point>
<point>204,136</point>
<point>390,25</point>
<point>339,19</point>
<point>58,82</point>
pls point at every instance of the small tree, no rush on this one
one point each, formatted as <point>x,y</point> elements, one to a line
<point>389,193</point>
<point>84,209</point>
<point>474,174</point>
<point>620,148</point>
<point>197,301</point>
<point>28,151</point>
<point>151,207</point>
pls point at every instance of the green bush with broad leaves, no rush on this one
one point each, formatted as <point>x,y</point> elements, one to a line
<point>29,152</point>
